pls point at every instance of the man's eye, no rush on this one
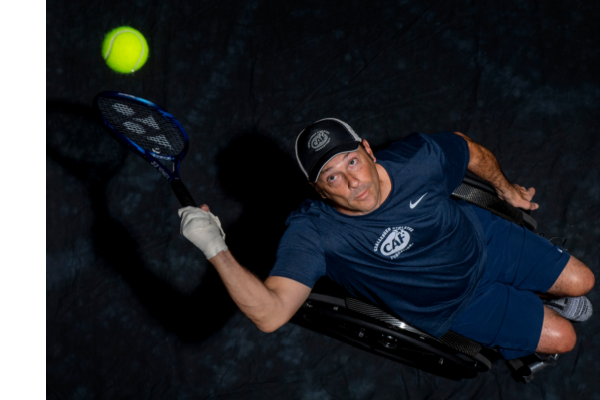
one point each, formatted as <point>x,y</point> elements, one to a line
<point>331,178</point>
<point>353,161</point>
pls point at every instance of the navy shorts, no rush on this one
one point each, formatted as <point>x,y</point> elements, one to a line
<point>505,312</point>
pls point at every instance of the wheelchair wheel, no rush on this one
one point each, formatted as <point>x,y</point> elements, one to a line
<point>389,337</point>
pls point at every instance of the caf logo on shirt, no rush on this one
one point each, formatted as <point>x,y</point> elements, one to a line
<point>394,241</point>
<point>319,139</point>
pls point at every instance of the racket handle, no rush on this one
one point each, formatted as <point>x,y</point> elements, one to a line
<point>183,195</point>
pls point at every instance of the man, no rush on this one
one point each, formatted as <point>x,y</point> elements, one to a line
<point>388,230</point>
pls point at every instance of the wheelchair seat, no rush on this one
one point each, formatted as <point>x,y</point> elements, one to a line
<point>333,311</point>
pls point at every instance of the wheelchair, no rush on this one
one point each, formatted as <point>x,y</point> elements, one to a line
<point>333,311</point>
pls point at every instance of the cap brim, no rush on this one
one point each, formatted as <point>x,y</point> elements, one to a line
<point>327,156</point>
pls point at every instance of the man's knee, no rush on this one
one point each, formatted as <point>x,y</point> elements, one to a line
<point>591,281</point>
<point>576,280</point>
<point>558,335</point>
<point>567,339</point>
<point>585,278</point>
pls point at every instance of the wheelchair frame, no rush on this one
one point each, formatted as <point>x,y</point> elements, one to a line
<point>331,310</point>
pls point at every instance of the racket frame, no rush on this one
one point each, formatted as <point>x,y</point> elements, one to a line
<point>152,158</point>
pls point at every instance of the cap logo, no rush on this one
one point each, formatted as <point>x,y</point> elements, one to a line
<point>319,140</point>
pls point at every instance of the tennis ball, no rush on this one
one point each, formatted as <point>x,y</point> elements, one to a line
<point>125,49</point>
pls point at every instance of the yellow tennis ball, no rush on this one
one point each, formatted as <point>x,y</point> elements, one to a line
<point>125,49</point>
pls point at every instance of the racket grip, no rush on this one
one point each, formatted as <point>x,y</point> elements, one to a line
<point>183,195</point>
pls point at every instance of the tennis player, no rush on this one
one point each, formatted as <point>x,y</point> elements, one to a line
<point>387,230</point>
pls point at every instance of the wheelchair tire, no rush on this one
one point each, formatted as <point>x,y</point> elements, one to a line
<point>404,346</point>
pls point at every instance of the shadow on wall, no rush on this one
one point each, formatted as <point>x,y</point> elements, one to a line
<point>269,185</point>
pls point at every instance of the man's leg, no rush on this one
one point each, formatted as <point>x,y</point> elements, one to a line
<point>575,280</point>
<point>526,264</point>
<point>558,335</point>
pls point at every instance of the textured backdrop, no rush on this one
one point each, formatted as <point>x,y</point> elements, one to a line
<point>133,309</point>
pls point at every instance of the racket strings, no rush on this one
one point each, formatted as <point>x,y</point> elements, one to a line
<point>143,125</point>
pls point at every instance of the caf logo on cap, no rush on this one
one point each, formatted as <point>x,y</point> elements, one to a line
<point>320,141</point>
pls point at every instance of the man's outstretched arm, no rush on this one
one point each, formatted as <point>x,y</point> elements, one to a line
<point>485,165</point>
<point>269,304</point>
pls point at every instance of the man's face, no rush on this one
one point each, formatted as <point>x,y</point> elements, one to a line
<point>351,182</point>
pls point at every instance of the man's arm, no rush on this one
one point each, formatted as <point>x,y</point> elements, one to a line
<point>485,165</point>
<point>269,305</point>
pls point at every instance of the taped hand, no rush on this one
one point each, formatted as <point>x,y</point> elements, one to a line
<point>203,229</point>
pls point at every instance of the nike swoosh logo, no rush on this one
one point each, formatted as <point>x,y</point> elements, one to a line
<point>418,201</point>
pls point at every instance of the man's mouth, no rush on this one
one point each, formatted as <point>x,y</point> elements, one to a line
<point>362,195</point>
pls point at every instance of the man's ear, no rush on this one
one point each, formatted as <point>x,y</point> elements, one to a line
<point>368,149</point>
<point>318,189</point>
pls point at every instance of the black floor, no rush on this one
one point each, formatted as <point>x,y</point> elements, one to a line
<point>133,309</point>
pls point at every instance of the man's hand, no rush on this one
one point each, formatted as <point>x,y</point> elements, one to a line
<point>518,196</point>
<point>485,165</point>
<point>203,229</point>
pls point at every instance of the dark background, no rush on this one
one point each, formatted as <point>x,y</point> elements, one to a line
<point>135,311</point>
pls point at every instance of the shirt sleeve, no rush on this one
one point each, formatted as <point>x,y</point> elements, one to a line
<point>454,157</point>
<point>300,254</point>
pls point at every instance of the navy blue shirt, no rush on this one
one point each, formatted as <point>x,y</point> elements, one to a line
<point>421,253</point>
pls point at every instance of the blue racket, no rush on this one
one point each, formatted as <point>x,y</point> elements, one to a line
<point>150,132</point>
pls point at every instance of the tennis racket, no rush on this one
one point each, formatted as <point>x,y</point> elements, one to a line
<point>150,132</point>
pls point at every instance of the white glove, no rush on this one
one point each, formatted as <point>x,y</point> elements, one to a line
<point>203,229</point>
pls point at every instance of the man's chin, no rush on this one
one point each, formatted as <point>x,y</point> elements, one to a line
<point>366,206</point>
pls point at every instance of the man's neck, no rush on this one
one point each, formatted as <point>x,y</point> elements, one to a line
<point>385,184</point>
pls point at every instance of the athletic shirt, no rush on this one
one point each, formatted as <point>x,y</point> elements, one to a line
<point>420,254</point>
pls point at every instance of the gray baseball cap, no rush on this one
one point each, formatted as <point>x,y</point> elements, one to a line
<point>320,141</point>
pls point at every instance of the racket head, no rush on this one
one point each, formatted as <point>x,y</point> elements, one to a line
<point>144,127</point>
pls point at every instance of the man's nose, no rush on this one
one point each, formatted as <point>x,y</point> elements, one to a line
<point>352,181</point>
